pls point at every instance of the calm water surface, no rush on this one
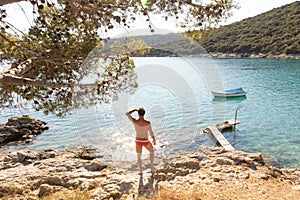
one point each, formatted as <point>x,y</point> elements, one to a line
<point>176,95</point>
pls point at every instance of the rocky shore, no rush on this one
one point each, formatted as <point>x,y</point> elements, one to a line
<point>209,172</point>
<point>22,128</point>
<point>251,55</point>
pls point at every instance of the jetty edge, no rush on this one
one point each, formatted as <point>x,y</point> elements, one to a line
<point>215,132</point>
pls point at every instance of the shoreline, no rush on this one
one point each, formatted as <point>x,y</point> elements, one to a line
<point>250,55</point>
<point>36,175</point>
<point>227,55</point>
<point>23,130</point>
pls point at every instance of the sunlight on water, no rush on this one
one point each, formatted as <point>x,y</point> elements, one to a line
<point>176,95</point>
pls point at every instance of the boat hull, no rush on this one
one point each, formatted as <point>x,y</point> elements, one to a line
<point>237,92</point>
<point>224,94</point>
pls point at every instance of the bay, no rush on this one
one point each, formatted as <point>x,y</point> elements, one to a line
<point>176,95</point>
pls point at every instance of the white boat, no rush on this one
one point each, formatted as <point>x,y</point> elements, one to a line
<point>238,92</point>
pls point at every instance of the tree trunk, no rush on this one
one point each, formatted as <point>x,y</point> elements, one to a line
<point>5,2</point>
<point>21,69</point>
<point>9,80</point>
<point>13,76</point>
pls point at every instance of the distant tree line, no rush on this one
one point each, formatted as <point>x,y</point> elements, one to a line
<point>274,32</point>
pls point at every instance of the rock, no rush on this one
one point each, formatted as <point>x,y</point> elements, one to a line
<point>125,186</point>
<point>244,175</point>
<point>257,157</point>
<point>45,189</point>
<point>161,176</point>
<point>113,190</point>
<point>274,172</point>
<point>6,189</point>
<point>23,157</point>
<point>86,153</point>
<point>211,170</point>
<point>224,161</point>
<point>170,176</point>
<point>244,161</point>
<point>187,163</point>
<point>23,128</point>
<point>181,172</point>
<point>55,180</point>
<point>99,194</point>
<point>251,55</point>
<point>95,165</point>
<point>28,141</point>
<point>262,191</point>
<point>296,187</point>
<point>25,131</point>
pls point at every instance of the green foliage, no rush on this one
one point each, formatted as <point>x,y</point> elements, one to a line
<point>276,31</point>
<point>62,47</point>
<point>129,46</point>
<point>8,47</point>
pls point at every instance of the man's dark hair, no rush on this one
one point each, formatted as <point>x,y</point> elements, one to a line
<point>141,112</point>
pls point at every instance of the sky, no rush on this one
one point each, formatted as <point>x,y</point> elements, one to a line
<point>248,8</point>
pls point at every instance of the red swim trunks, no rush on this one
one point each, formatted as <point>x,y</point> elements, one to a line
<point>142,143</point>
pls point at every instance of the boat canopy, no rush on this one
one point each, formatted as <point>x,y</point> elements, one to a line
<point>235,91</point>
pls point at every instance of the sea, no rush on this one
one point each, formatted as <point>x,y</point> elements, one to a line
<point>176,94</point>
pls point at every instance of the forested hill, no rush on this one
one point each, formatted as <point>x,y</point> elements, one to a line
<point>273,32</point>
<point>276,32</point>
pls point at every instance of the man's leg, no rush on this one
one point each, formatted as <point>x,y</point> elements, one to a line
<point>139,158</point>
<point>149,147</point>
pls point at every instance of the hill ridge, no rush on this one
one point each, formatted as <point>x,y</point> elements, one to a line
<point>275,32</point>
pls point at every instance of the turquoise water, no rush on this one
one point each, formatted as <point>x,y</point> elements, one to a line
<point>270,114</point>
<point>176,95</point>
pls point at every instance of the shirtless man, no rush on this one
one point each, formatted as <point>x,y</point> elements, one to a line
<point>142,128</point>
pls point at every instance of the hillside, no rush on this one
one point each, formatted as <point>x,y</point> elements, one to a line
<point>274,32</point>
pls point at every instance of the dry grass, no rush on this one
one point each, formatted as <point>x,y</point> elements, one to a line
<point>69,195</point>
<point>272,189</point>
<point>8,191</point>
<point>193,194</point>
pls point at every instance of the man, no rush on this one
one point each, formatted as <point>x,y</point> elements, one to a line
<point>142,129</point>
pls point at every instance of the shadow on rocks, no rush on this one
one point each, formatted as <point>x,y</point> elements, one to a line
<point>149,188</point>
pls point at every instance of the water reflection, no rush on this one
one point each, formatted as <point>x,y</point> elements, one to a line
<point>232,99</point>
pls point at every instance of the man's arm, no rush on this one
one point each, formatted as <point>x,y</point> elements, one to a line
<point>128,114</point>
<point>152,134</point>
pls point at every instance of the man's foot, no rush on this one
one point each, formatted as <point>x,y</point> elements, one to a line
<point>152,172</point>
<point>140,173</point>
